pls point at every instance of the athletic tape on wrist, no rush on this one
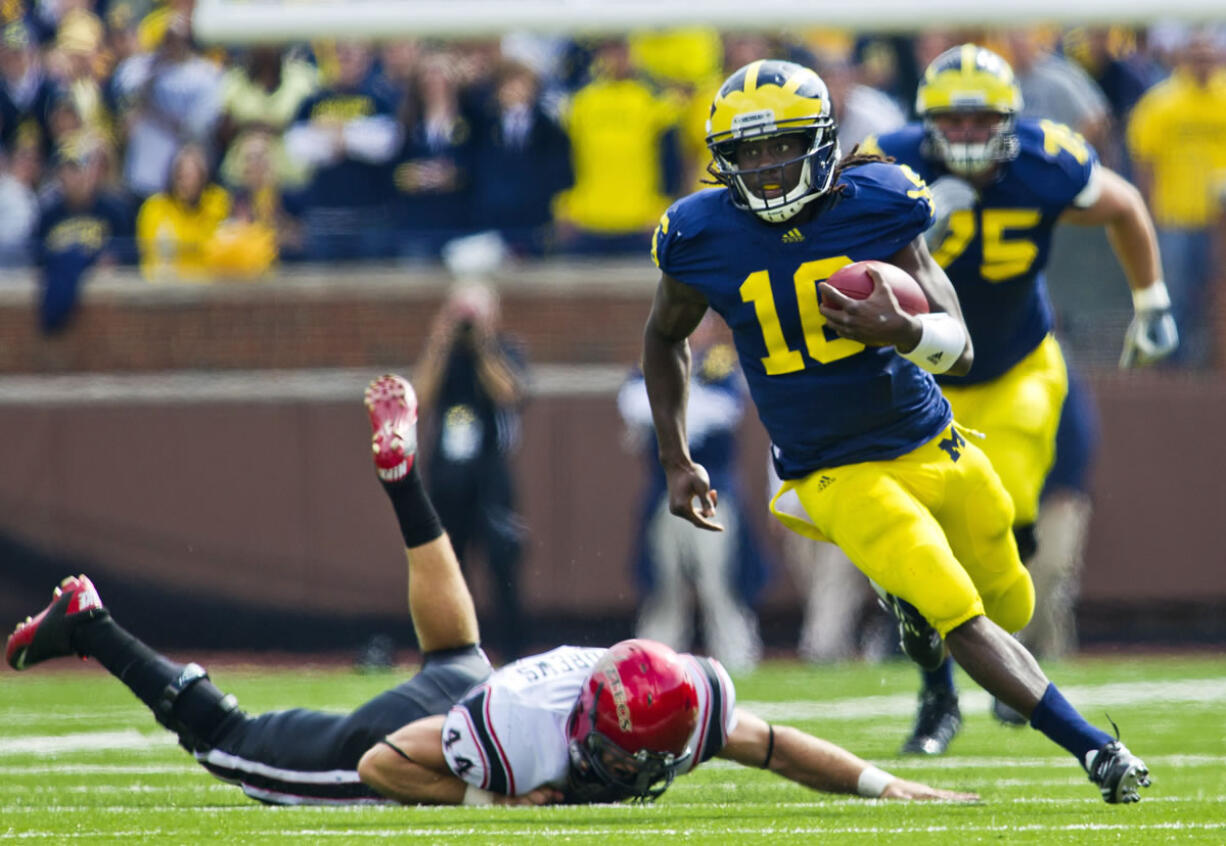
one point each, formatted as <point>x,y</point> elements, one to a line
<point>1151,298</point>
<point>873,782</point>
<point>477,796</point>
<point>941,343</point>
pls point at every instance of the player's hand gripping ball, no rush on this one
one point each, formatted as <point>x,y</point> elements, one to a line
<point>853,281</point>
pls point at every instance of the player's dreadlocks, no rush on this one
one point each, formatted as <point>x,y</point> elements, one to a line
<point>854,159</point>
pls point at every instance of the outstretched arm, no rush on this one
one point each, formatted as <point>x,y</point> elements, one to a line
<point>820,764</point>
<point>409,767</point>
<point>675,313</point>
<point>1120,207</point>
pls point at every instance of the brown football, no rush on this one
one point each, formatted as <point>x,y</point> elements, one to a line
<point>854,281</point>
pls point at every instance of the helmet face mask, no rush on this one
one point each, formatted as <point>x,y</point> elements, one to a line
<point>972,157</point>
<point>765,100</point>
<point>970,80</point>
<point>630,729</point>
<point>601,771</point>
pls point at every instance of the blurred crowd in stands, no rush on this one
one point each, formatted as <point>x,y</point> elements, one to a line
<point>126,140</point>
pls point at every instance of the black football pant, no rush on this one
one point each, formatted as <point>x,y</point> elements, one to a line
<point>293,757</point>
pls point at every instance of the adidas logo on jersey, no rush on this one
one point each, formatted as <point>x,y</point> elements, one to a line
<point>793,236</point>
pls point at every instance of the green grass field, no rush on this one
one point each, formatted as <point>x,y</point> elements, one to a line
<point>82,761</point>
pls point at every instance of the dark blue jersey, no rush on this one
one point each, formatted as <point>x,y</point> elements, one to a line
<point>824,400</point>
<point>350,182</point>
<point>996,253</point>
<point>69,242</point>
<point>88,231</point>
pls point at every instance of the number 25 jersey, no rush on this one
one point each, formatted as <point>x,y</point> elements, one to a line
<point>996,252</point>
<point>824,400</point>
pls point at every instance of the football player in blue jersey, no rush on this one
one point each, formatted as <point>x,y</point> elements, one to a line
<point>1000,184</point>
<point>863,441</point>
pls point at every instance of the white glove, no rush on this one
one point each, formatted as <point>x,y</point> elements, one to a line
<point>949,194</point>
<point>1152,335</point>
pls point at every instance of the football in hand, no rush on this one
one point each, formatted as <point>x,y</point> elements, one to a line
<point>853,281</point>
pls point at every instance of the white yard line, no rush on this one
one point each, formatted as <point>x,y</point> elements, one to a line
<point>86,741</point>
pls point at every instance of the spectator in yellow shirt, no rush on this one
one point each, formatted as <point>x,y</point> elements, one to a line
<point>1177,136</point>
<point>624,147</point>
<point>263,94</point>
<point>259,228</point>
<point>174,228</point>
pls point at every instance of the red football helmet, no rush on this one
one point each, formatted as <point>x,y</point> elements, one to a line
<point>630,729</point>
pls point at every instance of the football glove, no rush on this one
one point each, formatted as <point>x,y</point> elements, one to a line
<point>949,194</point>
<point>1152,335</point>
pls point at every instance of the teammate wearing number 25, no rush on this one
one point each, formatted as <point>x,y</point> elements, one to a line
<point>1000,184</point>
<point>862,439</point>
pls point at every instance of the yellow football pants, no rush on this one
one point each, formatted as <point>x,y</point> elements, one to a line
<point>933,527</point>
<point>1018,414</point>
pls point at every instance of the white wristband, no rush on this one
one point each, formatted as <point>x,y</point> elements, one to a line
<point>1152,297</point>
<point>477,796</point>
<point>873,782</point>
<point>941,343</point>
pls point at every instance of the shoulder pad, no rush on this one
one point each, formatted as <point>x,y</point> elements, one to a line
<point>892,187</point>
<point>1055,160</point>
<point>680,225</point>
<point>902,143</point>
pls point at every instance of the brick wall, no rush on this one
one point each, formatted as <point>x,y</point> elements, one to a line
<point>575,313</point>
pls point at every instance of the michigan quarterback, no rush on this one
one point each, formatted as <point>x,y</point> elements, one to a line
<point>862,439</point>
<point>1000,184</point>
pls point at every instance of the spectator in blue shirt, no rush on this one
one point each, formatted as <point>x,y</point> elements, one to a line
<point>347,134</point>
<point>79,227</point>
<point>432,167</point>
<point>520,160</point>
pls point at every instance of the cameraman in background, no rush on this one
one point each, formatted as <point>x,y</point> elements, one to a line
<point>471,387</point>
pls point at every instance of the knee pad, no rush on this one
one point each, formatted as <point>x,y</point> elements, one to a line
<point>192,710</point>
<point>1027,541</point>
<point>1012,607</point>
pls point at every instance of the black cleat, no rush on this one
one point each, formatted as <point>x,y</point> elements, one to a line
<point>916,636</point>
<point>1007,715</point>
<point>936,723</point>
<point>1118,773</point>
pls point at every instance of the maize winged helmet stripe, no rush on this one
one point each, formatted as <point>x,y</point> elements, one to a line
<point>780,101</point>
<point>968,77</point>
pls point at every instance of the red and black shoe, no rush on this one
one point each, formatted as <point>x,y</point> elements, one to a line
<point>392,405</point>
<point>49,635</point>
